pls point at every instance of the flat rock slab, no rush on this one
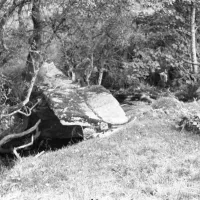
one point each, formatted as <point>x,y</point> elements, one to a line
<point>103,104</point>
<point>74,105</point>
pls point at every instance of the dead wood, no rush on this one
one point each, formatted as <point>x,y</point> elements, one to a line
<point>10,137</point>
<point>33,137</point>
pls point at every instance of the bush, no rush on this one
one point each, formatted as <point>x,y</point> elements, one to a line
<point>115,80</point>
<point>190,123</point>
<point>188,92</point>
<point>167,103</point>
<point>190,119</point>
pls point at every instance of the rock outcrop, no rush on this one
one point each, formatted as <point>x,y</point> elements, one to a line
<point>65,111</point>
<point>73,106</point>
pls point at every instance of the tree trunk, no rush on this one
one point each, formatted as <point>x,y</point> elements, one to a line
<point>89,70</point>
<point>101,70</point>
<point>20,17</point>
<point>92,62</point>
<point>5,54</point>
<point>34,58</point>
<point>193,39</point>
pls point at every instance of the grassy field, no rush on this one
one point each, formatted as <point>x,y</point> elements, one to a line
<point>147,159</point>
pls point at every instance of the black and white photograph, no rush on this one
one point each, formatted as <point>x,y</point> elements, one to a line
<point>99,100</point>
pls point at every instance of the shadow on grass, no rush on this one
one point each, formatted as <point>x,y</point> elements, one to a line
<point>7,161</point>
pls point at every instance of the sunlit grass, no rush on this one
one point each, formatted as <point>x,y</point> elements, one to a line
<point>148,159</point>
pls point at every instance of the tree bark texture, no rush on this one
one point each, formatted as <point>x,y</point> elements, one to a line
<point>34,58</point>
<point>20,17</point>
<point>5,54</point>
<point>193,39</point>
<point>101,70</point>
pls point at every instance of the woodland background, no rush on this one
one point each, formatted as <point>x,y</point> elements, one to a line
<point>131,42</point>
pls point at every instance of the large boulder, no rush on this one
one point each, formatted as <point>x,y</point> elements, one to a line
<point>73,105</point>
<point>85,106</point>
<point>65,111</point>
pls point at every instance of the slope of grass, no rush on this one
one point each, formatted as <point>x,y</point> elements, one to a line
<point>148,159</point>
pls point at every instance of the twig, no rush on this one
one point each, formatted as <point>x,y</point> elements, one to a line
<point>29,109</point>
<point>184,60</point>
<point>25,145</point>
<point>17,154</point>
<point>33,137</point>
<point>22,147</point>
<point>39,154</point>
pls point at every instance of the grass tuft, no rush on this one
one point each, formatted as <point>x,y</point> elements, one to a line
<point>167,103</point>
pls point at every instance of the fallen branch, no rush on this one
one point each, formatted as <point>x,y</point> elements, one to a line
<point>39,154</point>
<point>10,137</point>
<point>21,147</point>
<point>33,137</point>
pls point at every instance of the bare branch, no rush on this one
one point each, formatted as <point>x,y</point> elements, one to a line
<point>189,62</point>
<point>29,109</point>
<point>38,155</point>
<point>184,60</point>
<point>10,137</point>
<point>33,137</point>
<point>21,147</point>
<point>22,104</point>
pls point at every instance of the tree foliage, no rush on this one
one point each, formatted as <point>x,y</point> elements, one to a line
<point>136,36</point>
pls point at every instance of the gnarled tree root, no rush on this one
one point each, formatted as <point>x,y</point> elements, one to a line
<point>10,137</point>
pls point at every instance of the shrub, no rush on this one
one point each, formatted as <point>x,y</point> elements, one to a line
<point>190,123</point>
<point>167,103</point>
<point>188,92</point>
